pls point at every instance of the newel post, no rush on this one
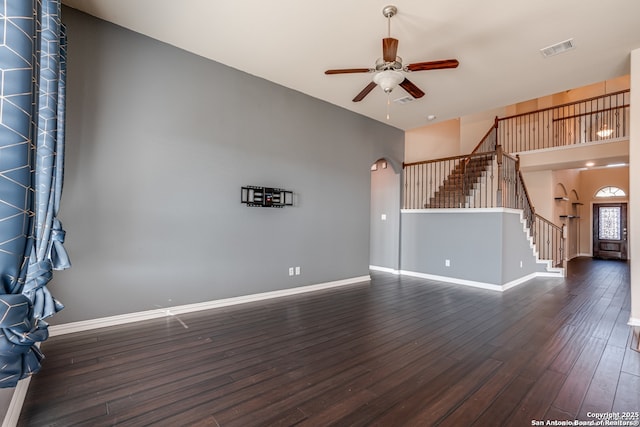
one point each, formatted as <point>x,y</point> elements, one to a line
<point>519,203</point>
<point>496,123</point>
<point>499,202</point>
<point>563,248</point>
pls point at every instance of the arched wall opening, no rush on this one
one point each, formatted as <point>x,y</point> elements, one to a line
<point>384,236</point>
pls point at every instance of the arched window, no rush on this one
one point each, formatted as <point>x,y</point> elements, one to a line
<point>610,191</point>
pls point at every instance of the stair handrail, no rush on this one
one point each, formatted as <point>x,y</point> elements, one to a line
<point>441,159</point>
<point>485,139</point>
<point>424,179</point>
<point>539,226</point>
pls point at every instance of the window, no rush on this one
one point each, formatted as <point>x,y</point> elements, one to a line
<point>609,223</point>
<point>611,192</point>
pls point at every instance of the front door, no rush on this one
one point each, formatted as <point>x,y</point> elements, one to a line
<point>610,230</point>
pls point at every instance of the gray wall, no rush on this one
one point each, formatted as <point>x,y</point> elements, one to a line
<point>159,142</point>
<point>482,246</point>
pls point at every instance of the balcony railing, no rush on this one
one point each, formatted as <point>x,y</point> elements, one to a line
<point>595,119</point>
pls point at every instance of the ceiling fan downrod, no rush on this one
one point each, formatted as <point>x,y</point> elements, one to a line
<point>388,12</point>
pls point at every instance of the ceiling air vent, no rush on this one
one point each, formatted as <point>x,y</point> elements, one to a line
<point>558,48</point>
<point>404,99</point>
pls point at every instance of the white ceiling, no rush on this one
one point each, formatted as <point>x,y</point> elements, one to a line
<point>498,42</point>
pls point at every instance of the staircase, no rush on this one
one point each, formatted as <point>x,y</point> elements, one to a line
<point>487,178</point>
<point>490,177</point>
<point>460,188</point>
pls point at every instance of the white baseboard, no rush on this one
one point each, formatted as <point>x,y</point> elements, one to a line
<point>633,321</point>
<point>519,281</point>
<point>481,285</point>
<point>384,269</point>
<point>472,283</point>
<point>86,325</point>
<point>15,406</point>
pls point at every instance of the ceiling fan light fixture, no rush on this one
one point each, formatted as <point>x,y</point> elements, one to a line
<point>388,80</point>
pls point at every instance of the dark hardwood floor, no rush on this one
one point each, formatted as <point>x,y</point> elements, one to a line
<point>398,351</point>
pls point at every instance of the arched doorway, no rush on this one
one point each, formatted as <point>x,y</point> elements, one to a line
<point>384,235</point>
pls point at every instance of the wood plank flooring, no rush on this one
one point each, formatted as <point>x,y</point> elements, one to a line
<point>398,351</point>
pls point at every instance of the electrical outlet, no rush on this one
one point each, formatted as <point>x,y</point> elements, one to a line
<point>297,271</point>
<point>447,263</point>
<point>290,271</point>
<point>383,217</point>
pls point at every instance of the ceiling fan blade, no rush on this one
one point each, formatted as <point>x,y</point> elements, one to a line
<point>364,92</point>
<point>433,65</point>
<point>412,89</point>
<point>389,49</point>
<point>348,71</point>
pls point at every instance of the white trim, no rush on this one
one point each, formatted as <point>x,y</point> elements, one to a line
<point>85,325</point>
<point>15,406</point>
<point>384,269</point>
<point>461,210</point>
<point>521,280</point>
<point>483,285</point>
<point>633,321</point>
<point>472,283</point>
<point>565,147</point>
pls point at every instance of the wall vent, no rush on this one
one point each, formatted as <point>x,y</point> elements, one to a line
<point>558,48</point>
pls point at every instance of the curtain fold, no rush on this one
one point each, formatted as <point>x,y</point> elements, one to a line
<point>33,67</point>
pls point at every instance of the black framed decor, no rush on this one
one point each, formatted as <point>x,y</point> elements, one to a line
<point>266,197</point>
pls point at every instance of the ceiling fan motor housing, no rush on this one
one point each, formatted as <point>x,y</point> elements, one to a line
<point>381,65</point>
<point>389,11</point>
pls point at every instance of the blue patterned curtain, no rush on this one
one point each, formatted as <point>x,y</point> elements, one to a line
<point>32,63</point>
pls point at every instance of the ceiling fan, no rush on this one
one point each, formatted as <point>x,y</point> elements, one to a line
<point>389,68</point>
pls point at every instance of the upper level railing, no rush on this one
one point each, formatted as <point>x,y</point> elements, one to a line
<point>594,119</point>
